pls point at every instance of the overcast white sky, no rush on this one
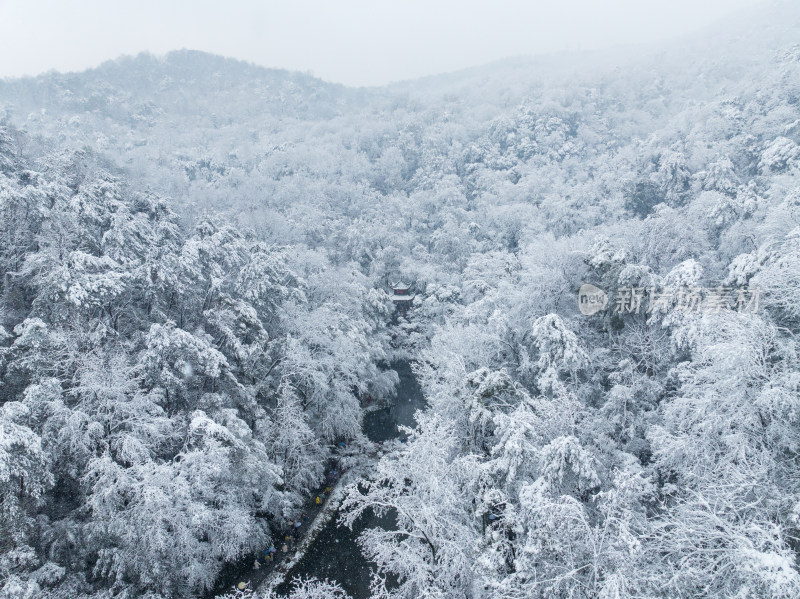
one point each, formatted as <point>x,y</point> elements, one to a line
<point>357,42</point>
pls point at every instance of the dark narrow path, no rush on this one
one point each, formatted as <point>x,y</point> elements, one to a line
<point>243,570</point>
<point>381,425</point>
<point>335,554</point>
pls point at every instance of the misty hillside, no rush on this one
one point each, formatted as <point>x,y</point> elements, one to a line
<point>197,323</point>
<point>183,83</point>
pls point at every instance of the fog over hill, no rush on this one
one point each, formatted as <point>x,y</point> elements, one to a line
<point>196,315</point>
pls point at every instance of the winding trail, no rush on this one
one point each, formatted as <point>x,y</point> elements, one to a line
<point>334,552</point>
<point>331,551</point>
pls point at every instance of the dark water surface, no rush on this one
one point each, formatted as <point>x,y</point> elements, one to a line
<point>335,554</point>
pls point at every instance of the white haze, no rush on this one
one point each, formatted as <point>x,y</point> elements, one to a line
<point>351,41</point>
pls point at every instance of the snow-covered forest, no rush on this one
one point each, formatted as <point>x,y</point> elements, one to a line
<point>195,314</point>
